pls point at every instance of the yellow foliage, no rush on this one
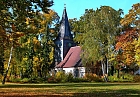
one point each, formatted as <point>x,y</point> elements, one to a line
<point>33,27</point>
<point>51,54</point>
<point>25,59</point>
<point>36,59</point>
<point>35,40</point>
<point>27,21</point>
<point>129,53</point>
<point>43,22</point>
<point>41,30</point>
<point>137,51</point>
<point>132,15</point>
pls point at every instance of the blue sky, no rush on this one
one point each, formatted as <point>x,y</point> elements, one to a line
<point>76,8</point>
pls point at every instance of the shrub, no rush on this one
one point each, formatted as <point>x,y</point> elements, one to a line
<point>123,78</point>
<point>114,79</point>
<point>25,80</point>
<point>51,79</point>
<point>93,77</point>
<point>69,77</point>
<point>36,80</point>
<point>128,77</point>
<point>136,78</point>
<point>16,80</point>
<point>60,76</point>
<point>65,77</point>
<point>13,78</point>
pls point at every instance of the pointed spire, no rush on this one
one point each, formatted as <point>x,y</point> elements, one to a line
<point>65,32</point>
<point>64,6</point>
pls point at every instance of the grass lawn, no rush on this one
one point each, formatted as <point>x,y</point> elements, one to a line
<point>71,90</point>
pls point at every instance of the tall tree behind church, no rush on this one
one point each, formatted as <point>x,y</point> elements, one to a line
<point>96,33</point>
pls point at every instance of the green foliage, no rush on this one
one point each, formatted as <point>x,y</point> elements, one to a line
<point>14,79</point>
<point>95,32</point>
<point>25,80</point>
<point>69,77</point>
<point>61,77</point>
<point>123,78</point>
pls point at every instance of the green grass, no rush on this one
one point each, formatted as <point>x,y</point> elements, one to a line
<point>72,90</point>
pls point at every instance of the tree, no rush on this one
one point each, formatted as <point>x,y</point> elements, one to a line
<point>96,34</point>
<point>48,35</point>
<point>126,45</point>
<point>34,55</point>
<point>13,16</point>
<point>127,40</point>
<point>133,17</point>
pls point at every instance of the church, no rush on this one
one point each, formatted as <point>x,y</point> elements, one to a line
<point>67,53</point>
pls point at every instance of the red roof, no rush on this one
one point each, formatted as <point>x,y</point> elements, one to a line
<point>72,58</point>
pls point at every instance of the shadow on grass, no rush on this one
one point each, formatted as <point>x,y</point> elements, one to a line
<point>104,93</point>
<point>49,85</point>
<point>109,93</point>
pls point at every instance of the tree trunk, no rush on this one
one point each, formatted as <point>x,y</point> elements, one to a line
<point>112,70</point>
<point>118,76</point>
<point>8,66</point>
<point>107,66</point>
<point>103,70</point>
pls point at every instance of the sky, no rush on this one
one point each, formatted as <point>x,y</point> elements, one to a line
<point>76,8</point>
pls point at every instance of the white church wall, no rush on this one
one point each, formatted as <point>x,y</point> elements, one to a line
<point>68,70</point>
<point>80,73</point>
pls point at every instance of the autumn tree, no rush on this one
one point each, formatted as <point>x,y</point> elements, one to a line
<point>13,16</point>
<point>133,17</point>
<point>126,40</point>
<point>126,45</point>
<point>37,47</point>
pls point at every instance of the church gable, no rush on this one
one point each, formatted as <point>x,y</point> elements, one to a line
<point>72,58</point>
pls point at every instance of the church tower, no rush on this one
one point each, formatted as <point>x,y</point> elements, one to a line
<point>64,40</point>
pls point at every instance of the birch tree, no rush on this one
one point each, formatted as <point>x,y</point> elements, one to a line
<point>97,35</point>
